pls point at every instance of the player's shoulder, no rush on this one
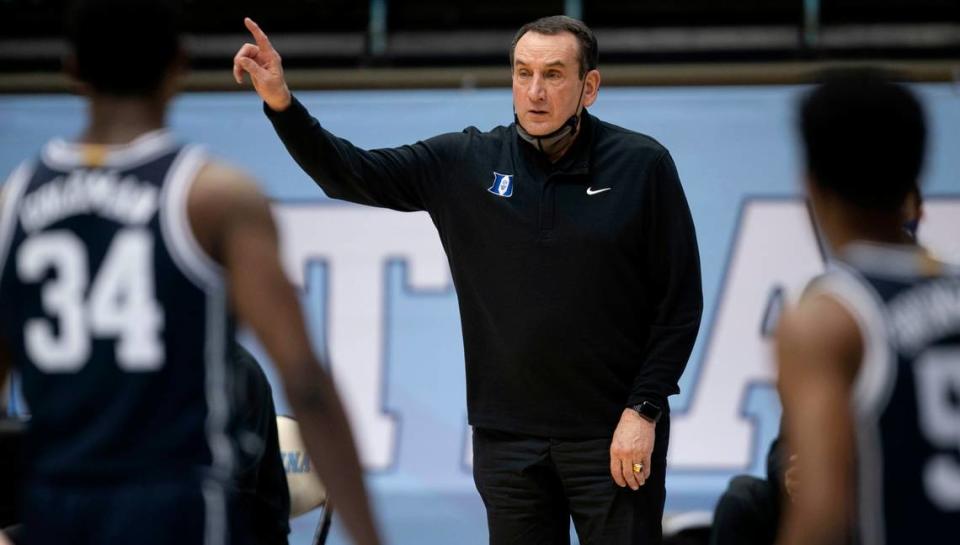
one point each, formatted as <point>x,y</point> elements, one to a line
<point>222,192</point>
<point>819,323</point>
<point>221,199</point>
<point>219,184</point>
<point>216,174</point>
<point>820,315</point>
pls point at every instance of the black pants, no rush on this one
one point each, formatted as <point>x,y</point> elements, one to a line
<point>748,513</point>
<point>532,486</point>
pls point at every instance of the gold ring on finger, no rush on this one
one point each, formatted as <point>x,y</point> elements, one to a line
<point>637,468</point>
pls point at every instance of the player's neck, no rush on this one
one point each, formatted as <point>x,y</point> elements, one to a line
<point>119,120</point>
<point>880,228</point>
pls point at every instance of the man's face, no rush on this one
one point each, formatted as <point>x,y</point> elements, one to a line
<point>546,81</point>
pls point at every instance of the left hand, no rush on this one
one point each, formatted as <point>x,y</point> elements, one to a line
<point>632,444</point>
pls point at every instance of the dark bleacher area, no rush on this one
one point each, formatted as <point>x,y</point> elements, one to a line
<point>414,15</point>
<point>430,33</point>
<point>653,13</point>
<point>890,11</point>
<point>44,18</point>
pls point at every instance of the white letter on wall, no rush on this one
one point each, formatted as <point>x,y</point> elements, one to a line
<point>775,248</point>
<point>357,244</point>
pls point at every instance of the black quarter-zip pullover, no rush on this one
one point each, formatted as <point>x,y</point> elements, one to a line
<point>578,281</point>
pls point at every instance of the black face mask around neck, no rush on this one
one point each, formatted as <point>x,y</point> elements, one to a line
<point>550,144</point>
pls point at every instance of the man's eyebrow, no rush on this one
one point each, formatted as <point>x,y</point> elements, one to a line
<point>549,64</point>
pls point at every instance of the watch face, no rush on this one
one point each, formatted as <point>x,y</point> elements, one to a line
<point>648,410</point>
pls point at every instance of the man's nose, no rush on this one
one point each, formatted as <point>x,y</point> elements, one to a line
<point>536,91</point>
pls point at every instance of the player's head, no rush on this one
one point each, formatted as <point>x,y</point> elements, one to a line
<point>554,64</point>
<point>124,48</point>
<point>863,137</point>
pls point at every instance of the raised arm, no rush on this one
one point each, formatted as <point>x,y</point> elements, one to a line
<point>232,221</point>
<point>819,348</point>
<point>406,178</point>
<point>265,67</point>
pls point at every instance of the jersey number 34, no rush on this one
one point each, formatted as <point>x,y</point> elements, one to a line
<point>121,304</point>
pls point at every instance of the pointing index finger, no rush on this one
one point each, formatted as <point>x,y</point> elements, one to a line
<point>258,34</point>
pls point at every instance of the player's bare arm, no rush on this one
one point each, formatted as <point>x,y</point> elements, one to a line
<point>819,349</point>
<point>233,222</point>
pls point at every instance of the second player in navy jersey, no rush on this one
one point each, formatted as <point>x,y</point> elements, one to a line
<point>870,358</point>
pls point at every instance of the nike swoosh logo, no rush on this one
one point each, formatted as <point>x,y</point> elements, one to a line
<point>591,191</point>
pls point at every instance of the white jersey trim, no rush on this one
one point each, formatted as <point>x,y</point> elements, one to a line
<point>218,417</point>
<point>192,260</point>
<point>896,261</point>
<point>63,155</point>
<point>215,514</point>
<point>872,389</point>
<point>217,387</point>
<point>10,194</point>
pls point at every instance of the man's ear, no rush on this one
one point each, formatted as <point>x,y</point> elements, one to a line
<point>591,87</point>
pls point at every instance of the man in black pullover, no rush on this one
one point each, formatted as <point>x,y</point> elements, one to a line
<point>575,261</point>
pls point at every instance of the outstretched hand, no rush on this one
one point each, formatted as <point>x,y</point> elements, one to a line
<point>263,63</point>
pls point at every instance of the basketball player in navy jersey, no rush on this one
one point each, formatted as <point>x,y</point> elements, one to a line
<point>870,358</point>
<point>123,258</point>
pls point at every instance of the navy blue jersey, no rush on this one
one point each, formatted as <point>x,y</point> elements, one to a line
<point>907,392</point>
<point>117,320</point>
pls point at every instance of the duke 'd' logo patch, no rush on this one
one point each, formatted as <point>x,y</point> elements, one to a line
<point>502,185</point>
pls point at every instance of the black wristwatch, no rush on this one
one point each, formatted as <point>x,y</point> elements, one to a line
<point>649,411</point>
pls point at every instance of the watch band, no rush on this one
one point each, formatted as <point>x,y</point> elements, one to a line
<point>648,411</point>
